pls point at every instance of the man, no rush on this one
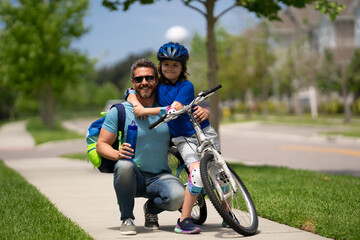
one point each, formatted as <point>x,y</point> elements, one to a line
<point>147,174</point>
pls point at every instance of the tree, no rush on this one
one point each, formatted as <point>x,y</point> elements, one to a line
<point>119,73</point>
<point>261,8</point>
<point>328,79</point>
<point>353,75</point>
<point>35,54</point>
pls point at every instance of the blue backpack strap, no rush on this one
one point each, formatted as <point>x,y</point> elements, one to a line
<point>121,119</point>
<point>107,166</point>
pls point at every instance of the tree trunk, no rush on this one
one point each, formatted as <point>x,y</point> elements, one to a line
<point>212,64</point>
<point>47,107</point>
<point>347,110</point>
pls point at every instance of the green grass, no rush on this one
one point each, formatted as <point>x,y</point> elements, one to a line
<point>42,134</point>
<point>351,129</point>
<point>27,214</point>
<point>326,204</point>
<point>76,156</point>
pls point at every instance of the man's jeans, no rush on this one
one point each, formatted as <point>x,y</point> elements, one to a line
<point>165,191</point>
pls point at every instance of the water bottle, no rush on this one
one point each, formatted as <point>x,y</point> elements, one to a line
<point>131,136</point>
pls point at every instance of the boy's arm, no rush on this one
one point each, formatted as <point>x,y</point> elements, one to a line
<point>141,111</point>
<point>131,98</point>
<point>138,109</point>
<point>177,105</point>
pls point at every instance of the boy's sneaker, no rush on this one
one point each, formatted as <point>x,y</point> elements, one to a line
<point>128,227</point>
<point>224,224</point>
<point>186,226</point>
<point>151,220</point>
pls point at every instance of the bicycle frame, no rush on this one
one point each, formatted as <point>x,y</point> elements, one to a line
<point>205,145</point>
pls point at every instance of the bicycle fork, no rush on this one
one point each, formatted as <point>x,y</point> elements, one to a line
<point>225,177</point>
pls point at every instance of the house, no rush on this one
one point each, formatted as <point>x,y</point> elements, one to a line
<point>317,32</point>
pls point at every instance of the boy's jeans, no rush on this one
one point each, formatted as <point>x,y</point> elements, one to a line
<point>164,190</point>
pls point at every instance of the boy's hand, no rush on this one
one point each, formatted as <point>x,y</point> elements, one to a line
<point>140,111</point>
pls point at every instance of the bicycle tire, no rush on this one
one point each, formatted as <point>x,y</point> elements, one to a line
<point>243,216</point>
<point>178,169</point>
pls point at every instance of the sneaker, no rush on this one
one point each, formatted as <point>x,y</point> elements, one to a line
<point>224,224</point>
<point>186,226</point>
<point>151,220</point>
<point>128,227</point>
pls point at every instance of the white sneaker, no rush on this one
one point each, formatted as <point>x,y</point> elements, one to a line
<point>128,227</point>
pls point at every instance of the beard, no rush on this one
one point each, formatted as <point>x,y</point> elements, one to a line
<point>145,91</point>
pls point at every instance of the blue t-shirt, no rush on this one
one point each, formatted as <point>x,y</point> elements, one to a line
<point>152,145</point>
<point>183,92</point>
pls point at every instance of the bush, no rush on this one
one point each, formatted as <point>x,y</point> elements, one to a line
<point>89,95</point>
<point>355,107</point>
<point>331,107</point>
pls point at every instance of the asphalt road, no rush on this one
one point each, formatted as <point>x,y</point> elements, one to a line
<point>297,147</point>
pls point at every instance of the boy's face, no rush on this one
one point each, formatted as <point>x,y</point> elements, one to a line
<point>171,70</point>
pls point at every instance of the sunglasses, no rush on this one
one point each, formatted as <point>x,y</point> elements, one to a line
<point>149,79</point>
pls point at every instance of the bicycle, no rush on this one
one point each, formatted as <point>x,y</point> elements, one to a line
<point>222,184</point>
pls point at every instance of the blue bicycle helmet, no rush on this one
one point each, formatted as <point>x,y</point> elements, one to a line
<point>173,51</point>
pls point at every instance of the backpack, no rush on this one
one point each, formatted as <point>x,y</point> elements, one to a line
<point>104,165</point>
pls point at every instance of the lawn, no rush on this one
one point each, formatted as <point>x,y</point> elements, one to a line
<point>321,203</point>
<point>351,129</point>
<point>42,134</point>
<point>27,214</point>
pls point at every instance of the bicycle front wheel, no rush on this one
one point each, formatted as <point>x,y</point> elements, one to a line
<point>232,202</point>
<point>178,169</point>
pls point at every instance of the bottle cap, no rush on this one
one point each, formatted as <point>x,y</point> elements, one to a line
<point>133,126</point>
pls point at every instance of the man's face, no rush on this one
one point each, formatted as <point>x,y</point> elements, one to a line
<point>144,82</point>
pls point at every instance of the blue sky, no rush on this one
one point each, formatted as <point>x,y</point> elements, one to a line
<point>115,35</point>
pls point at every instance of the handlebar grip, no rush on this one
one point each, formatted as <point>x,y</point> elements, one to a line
<point>207,92</point>
<point>154,124</point>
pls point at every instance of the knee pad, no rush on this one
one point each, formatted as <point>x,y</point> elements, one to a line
<point>195,184</point>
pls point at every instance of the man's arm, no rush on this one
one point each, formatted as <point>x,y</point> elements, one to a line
<point>201,114</point>
<point>104,147</point>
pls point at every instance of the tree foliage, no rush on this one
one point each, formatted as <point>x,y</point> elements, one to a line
<point>264,9</point>
<point>35,53</point>
<point>328,79</point>
<point>119,73</point>
<point>261,8</point>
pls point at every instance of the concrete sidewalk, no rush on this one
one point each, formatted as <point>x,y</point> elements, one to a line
<point>87,197</point>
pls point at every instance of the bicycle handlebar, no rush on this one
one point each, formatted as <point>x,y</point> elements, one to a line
<point>200,97</point>
<point>207,92</point>
<point>157,122</point>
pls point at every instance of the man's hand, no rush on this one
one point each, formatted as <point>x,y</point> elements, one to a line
<point>201,114</point>
<point>125,151</point>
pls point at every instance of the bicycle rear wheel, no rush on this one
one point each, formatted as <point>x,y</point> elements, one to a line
<point>178,168</point>
<point>233,203</point>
